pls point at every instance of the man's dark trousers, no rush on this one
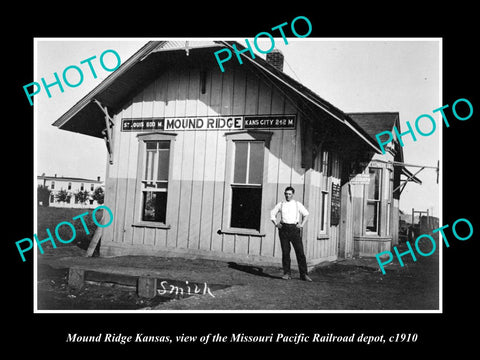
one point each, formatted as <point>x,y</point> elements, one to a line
<point>289,233</point>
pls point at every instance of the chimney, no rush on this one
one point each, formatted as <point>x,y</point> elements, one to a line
<point>275,58</point>
<point>98,178</point>
<point>55,175</point>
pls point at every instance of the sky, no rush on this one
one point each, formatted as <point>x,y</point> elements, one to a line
<point>367,75</point>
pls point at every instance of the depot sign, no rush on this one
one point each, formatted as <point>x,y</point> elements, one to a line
<point>211,123</point>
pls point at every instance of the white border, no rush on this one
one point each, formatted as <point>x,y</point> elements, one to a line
<point>440,215</point>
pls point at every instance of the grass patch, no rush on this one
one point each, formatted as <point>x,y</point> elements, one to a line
<point>50,217</point>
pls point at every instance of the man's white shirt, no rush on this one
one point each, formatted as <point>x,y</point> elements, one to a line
<point>289,210</point>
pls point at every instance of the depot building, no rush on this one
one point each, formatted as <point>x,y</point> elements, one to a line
<point>197,158</point>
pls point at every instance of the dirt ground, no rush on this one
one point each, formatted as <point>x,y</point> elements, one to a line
<point>352,284</point>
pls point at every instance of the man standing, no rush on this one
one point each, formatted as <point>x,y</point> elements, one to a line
<point>289,231</point>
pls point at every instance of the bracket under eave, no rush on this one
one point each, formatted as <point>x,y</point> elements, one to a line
<point>107,132</point>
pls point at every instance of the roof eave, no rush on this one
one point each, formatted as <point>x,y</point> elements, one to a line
<point>341,116</point>
<point>87,99</point>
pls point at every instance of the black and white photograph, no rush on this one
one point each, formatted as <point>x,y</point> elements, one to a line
<point>207,181</point>
<point>266,175</point>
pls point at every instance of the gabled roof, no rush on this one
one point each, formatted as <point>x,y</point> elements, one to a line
<point>375,122</point>
<point>281,79</point>
<point>87,118</point>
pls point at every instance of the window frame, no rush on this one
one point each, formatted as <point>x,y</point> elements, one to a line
<point>231,138</point>
<point>143,138</point>
<point>389,202</point>
<point>323,213</point>
<point>377,201</point>
<point>245,184</point>
<point>325,156</point>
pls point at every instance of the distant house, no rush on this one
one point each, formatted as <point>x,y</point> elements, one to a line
<point>72,186</point>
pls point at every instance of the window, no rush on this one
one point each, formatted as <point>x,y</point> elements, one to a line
<point>155,154</point>
<point>372,214</point>
<point>324,212</point>
<point>389,201</point>
<point>155,180</point>
<point>92,187</point>
<point>244,207</point>
<point>326,170</point>
<point>247,185</point>
<point>53,185</point>
<point>324,166</point>
<point>81,187</point>
<point>69,186</point>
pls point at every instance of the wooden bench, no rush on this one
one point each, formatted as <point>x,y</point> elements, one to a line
<point>146,279</point>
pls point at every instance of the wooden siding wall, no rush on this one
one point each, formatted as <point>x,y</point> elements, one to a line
<point>195,197</point>
<point>371,244</point>
<point>321,246</point>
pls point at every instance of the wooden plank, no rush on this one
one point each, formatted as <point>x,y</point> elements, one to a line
<point>147,287</point>
<point>240,78</point>
<point>241,244</point>
<point>148,100</point>
<point>251,96</point>
<point>197,190</point>
<point>160,95</point>
<point>282,182</point>
<point>130,199</point>
<point>254,245</point>
<point>293,138</point>
<point>111,181</point>
<point>311,199</point>
<point>357,192</point>
<point>336,241</point>
<point>267,243</point>
<point>205,231</point>
<point>226,87</point>
<point>219,176</point>
<point>113,189</point>
<point>134,236</point>
<point>149,236</point>
<point>187,164</point>
<point>110,201</point>
<point>196,108</point>
<point>280,186</point>
<point>277,104</point>
<point>270,243</point>
<point>285,166</point>
<point>215,98</point>
<point>228,243</point>
<point>264,98</point>
<point>121,178</point>
<point>169,89</point>
<point>209,185</point>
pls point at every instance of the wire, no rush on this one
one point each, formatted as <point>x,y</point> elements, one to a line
<point>294,73</point>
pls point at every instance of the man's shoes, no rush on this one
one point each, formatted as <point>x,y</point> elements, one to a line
<point>306,278</point>
<point>286,277</point>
